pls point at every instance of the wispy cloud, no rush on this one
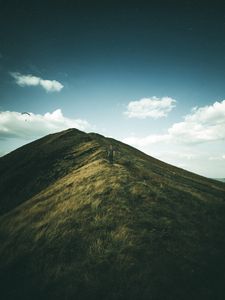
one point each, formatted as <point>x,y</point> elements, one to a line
<point>30,80</point>
<point>147,140</point>
<point>203,124</point>
<point>218,157</point>
<point>150,108</point>
<point>17,125</point>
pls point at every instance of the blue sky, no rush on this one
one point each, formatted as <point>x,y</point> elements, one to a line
<point>149,73</point>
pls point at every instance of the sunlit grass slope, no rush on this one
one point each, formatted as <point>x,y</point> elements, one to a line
<point>74,226</point>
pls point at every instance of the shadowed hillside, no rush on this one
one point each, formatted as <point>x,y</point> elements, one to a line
<point>75,226</point>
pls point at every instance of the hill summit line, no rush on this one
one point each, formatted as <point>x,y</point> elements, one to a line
<point>83,216</point>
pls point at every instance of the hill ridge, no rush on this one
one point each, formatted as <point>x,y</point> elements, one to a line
<point>135,229</point>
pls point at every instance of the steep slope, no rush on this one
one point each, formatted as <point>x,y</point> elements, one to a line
<point>31,168</point>
<point>74,226</point>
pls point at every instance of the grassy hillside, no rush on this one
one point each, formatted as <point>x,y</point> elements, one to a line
<point>74,226</point>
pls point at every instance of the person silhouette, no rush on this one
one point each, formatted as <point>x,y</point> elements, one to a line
<point>111,154</point>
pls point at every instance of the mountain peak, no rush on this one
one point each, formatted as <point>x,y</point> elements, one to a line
<point>76,223</point>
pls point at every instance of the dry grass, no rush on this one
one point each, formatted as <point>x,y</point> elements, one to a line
<point>137,229</point>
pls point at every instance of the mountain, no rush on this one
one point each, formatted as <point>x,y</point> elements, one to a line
<point>76,225</point>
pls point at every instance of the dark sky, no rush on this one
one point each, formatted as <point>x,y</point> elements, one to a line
<point>179,33</point>
<point>157,40</point>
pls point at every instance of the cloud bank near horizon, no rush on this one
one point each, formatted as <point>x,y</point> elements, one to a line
<point>196,143</point>
<point>17,125</point>
<point>203,124</point>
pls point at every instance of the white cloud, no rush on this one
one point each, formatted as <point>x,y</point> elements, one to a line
<point>2,153</point>
<point>197,142</point>
<point>147,140</point>
<point>215,158</point>
<point>17,125</point>
<point>221,157</point>
<point>204,124</point>
<point>184,155</point>
<point>30,80</point>
<point>150,107</point>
